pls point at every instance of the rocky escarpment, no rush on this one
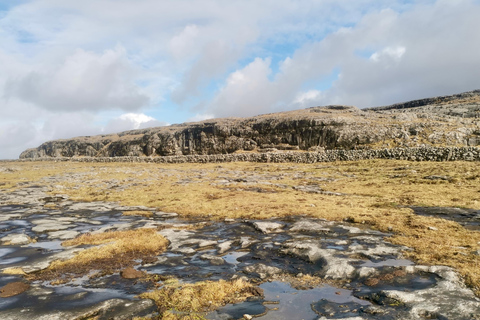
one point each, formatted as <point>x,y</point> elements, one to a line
<point>441,121</point>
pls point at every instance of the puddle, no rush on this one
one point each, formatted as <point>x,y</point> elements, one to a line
<point>297,304</point>
<point>232,257</point>
<point>47,245</point>
<point>388,263</point>
<point>12,260</point>
<point>469,218</point>
<point>5,251</point>
<point>236,311</point>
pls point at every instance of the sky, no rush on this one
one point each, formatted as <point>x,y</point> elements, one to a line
<point>80,68</point>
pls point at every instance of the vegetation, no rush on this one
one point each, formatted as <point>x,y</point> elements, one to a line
<point>190,301</point>
<point>377,193</point>
<point>119,249</point>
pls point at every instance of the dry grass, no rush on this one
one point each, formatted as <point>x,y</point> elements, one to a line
<point>191,301</point>
<point>147,214</point>
<point>375,193</point>
<point>14,271</point>
<point>119,249</point>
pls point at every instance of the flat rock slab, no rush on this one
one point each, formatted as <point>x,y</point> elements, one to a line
<point>63,234</point>
<point>166,215</point>
<point>45,262</point>
<point>16,239</point>
<point>268,227</point>
<point>110,309</point>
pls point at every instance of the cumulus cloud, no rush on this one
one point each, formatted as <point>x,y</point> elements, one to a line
<point>246,92</point>
<point>84,81</point>
<point>414,54</point>
<point>200,117</point>
<point>307,99</point>
<point>131,121</point>
<point>15,137</point>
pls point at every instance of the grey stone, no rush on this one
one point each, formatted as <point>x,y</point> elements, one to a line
<point>246,242</point>
<point>206,243</point>
<point>217,261</point>
<point>334,267</point>
<point>263,270</point>
<point>310,226</point>
<point>63,235</point>
<point>268,227</point>
<point>52,226</point>
<point>224,246</point>
<point>16,239</point>
<point>166,215</point>
<point>44,263</point>
<point>115,309</point>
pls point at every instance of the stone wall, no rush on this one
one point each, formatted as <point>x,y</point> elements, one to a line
<point>413,154</point>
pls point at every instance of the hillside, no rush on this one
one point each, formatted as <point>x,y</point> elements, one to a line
<point>440,121</point>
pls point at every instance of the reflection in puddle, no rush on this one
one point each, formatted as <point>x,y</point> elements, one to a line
<point>12,260</point>
<point>296,304</point>
<point>48,245</point>
<point>233,256</point>
<point>388,263</point>
<point>5,251</point>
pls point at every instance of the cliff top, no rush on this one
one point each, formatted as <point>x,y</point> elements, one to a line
<point>438,121</point>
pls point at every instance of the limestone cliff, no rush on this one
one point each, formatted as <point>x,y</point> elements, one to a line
<point>440,121</point>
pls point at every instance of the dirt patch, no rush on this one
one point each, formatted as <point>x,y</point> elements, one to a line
<point>130,273</point>
<point>13,289</point>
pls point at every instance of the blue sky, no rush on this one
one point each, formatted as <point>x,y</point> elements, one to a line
<point>71,68</point>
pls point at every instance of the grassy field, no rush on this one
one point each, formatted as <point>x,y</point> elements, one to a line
<point>371,192</point>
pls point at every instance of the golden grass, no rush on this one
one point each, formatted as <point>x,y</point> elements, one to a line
<point>14,271</point>
<point>375,193</point>
<point>118,250</point>
<point>139,213</point>
<point>190,301</point>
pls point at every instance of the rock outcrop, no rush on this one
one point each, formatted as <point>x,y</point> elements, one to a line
<point>442,121</point>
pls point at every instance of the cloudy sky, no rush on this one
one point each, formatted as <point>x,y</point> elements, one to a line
<point>71,68</point>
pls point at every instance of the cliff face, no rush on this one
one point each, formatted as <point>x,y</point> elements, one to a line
<point>441,121</point>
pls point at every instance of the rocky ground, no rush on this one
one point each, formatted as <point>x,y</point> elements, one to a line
<point>302,267</point>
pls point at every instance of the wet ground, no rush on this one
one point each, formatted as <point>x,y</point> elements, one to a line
<point>307,268</point>
<point>469,218</point>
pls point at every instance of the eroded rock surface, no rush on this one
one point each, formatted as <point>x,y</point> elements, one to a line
<point>450,120</point>
<point>291,260</point>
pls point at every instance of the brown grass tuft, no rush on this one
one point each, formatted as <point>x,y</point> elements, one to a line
<point>119,249</point>
<point>189,301</point>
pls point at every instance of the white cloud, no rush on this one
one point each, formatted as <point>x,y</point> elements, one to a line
<point>307,99</point>
<point>84,81</point>
<point>131,121</point>
<point>200,117</point>
<point>415,54</point>
<point>14,137</point>
<point>182,45</point>
<point>247,91</point>
<point>391,53</point>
